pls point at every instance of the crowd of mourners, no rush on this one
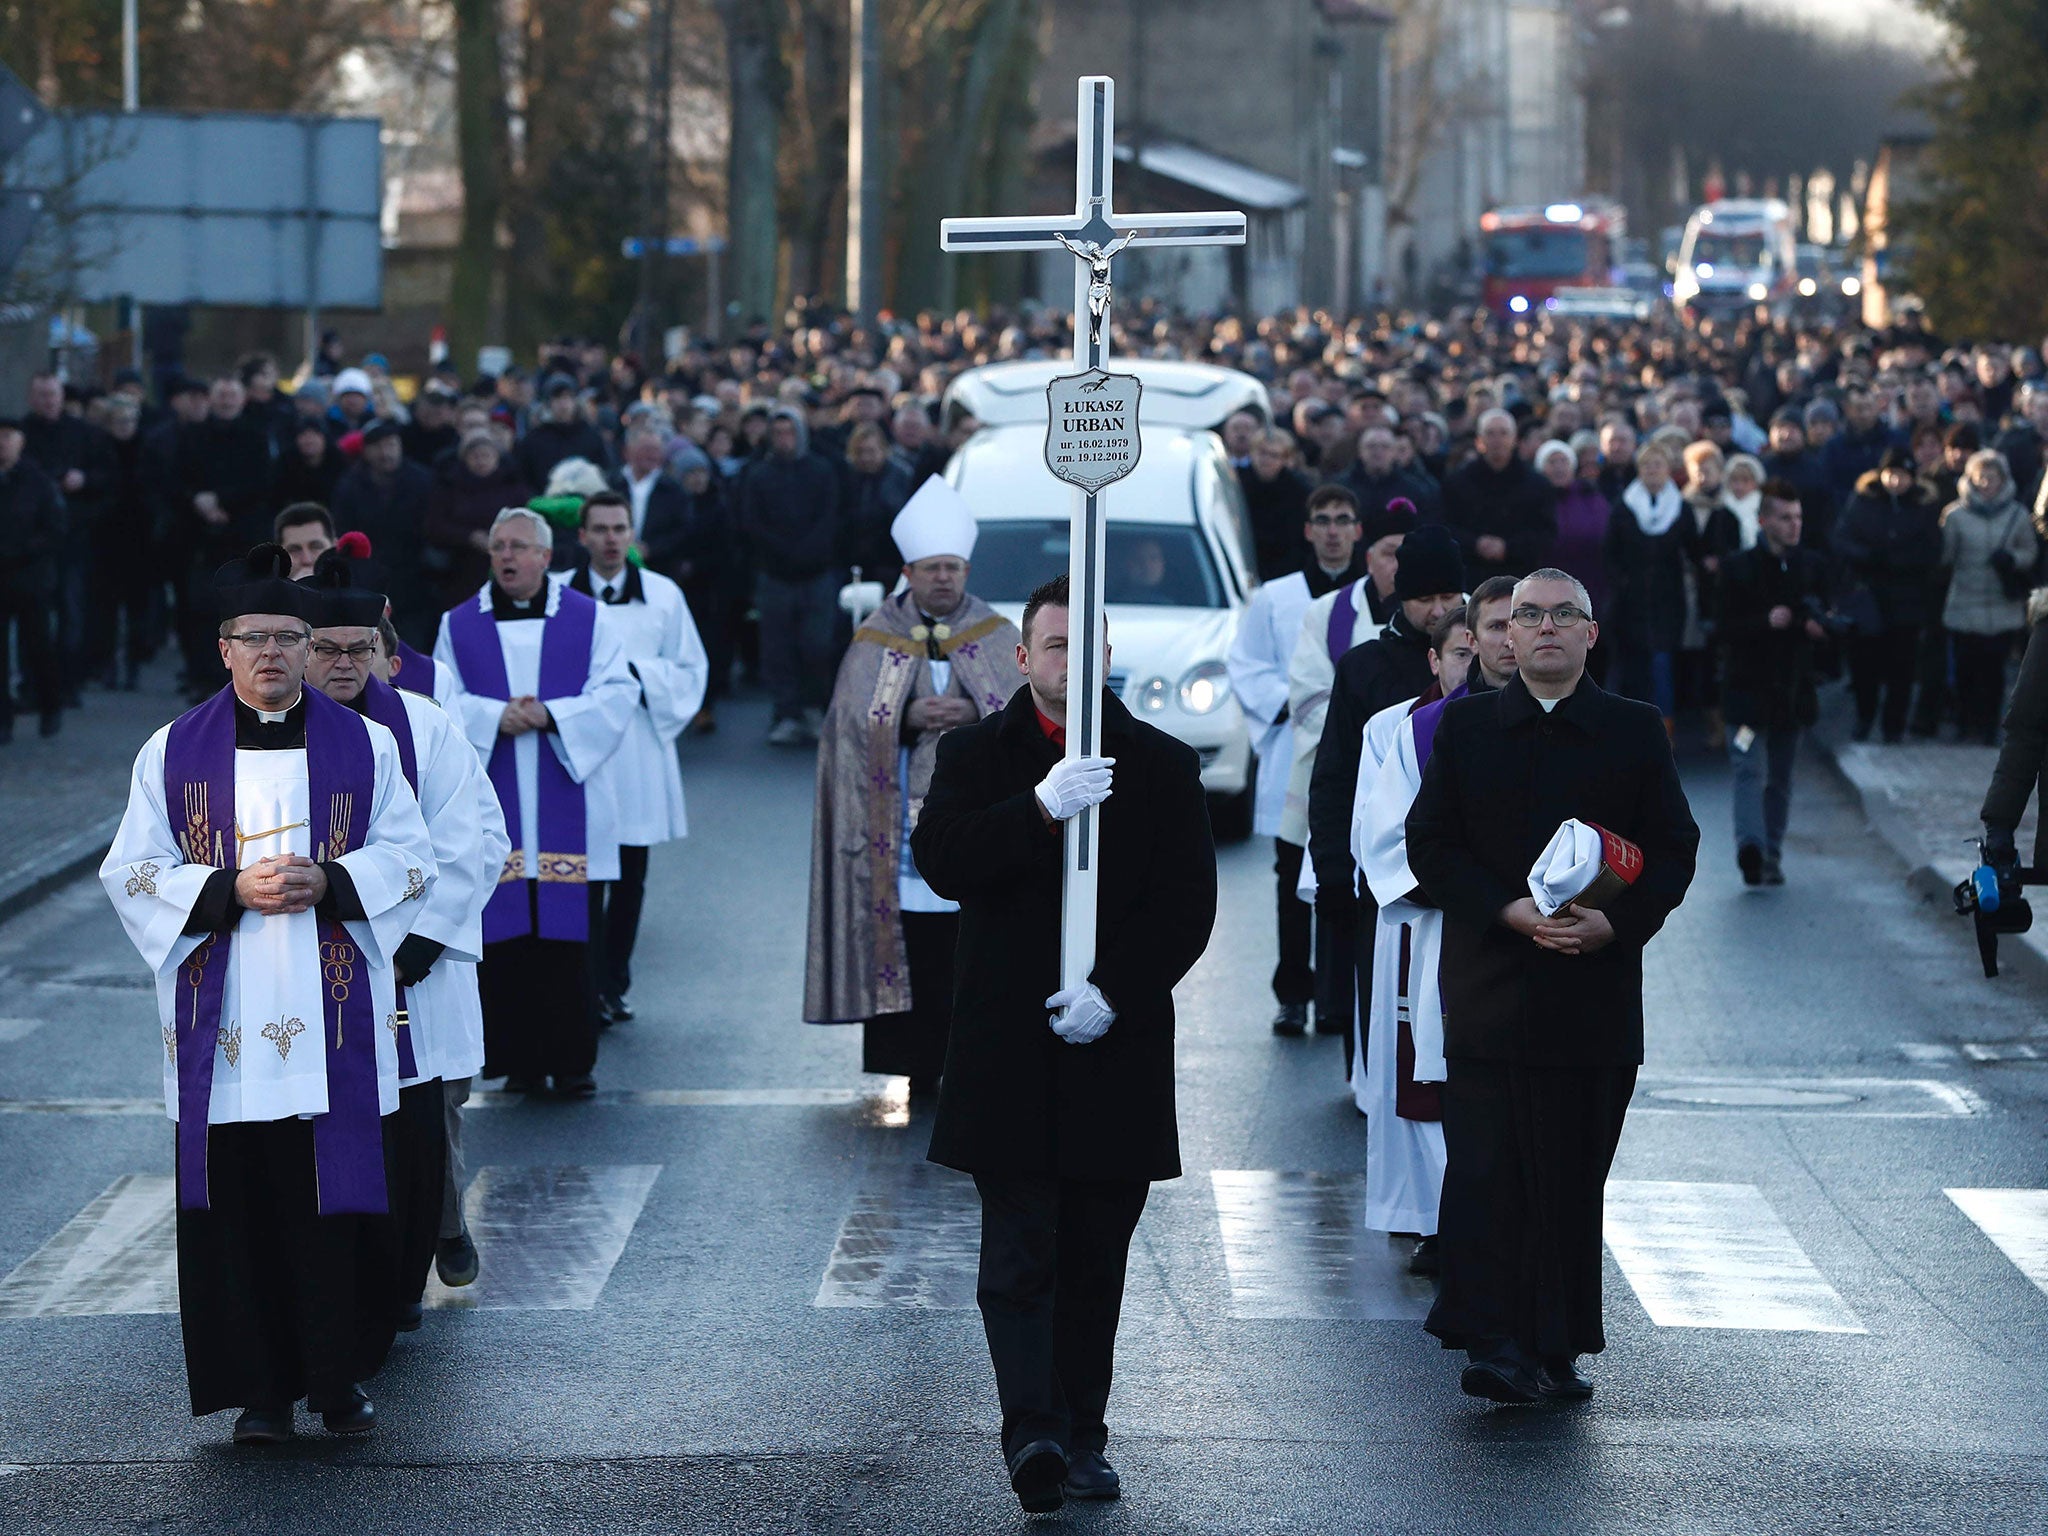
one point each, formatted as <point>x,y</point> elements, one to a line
<point>763,470</point>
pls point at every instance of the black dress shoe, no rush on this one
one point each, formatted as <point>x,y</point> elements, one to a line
<point>1500,1381</point>
<point>351,1414</point>
<point>410,1316</point>
<point>264,1426</point>
<point>456,1261</point>
<point>1774,872</point>
<point>1750,860</point>
<point>1292,1019</point>
<point>1560,1381</point>
<point>1090,1476</point>
<point>1038,1476</point>
<point>616,1010</point>
<point>1425,1260</point>
<point>576,1085</point>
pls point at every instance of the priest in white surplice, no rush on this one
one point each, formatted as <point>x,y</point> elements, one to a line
<point>642,780</point>
<point>441,1020</point>
<point>271,859</point>
<point>541,690</point>
<point>1403,1055</point>
<point>1258,662</point>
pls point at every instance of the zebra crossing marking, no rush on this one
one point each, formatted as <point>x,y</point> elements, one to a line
<point>1717,1256</point>
<point>2016,1220</point>
<point>117,1256</point>
<point>548,1237</point>
<point>1296,1246</point>
<point>916,1244</point>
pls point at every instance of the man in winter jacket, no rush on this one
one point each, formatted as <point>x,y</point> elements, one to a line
<point>1498,508</point>
<point>789,511</point>
<point>1773,600</point>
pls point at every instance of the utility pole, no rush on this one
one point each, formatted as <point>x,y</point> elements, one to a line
<point>654,219</point>
<point>864,165</point>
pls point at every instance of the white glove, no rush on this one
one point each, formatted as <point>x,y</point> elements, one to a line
<point>1074,784</point>
<point>861,598</point>
<point>1085,1014</point>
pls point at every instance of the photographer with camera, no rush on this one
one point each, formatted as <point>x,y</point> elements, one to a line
<point>1774,614</point>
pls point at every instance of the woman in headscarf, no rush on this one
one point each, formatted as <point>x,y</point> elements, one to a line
<point>1646,548</point>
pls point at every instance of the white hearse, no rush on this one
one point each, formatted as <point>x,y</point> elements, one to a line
<point>1180,560</point>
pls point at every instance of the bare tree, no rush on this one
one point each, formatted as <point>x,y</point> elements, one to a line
<point>483,154</point>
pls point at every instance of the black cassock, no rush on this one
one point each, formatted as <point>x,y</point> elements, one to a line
<point>1542,1048</point>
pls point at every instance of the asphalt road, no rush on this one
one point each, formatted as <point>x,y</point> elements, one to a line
<point>729,1295</point>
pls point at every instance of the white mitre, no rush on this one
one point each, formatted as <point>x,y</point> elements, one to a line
<point>935,521</point>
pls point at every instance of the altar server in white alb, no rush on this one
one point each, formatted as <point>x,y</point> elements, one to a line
<point>441,1034</point>
<point>541,690</point>
<point>1402,1056</point>
<point>270,861</point>
<point>1259,659</point>
<point>642,780</point>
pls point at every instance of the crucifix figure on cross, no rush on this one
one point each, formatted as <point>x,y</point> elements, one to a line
<point>1094,234</point>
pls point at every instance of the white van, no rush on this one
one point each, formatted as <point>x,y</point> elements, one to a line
<point>1737,254</point>
<point>1180,554</point>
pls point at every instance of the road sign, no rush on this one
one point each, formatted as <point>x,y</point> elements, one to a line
<point>1091,427</point>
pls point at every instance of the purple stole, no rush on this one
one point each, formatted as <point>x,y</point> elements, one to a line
<point>417,670</point>
<point>341,782</point>
<point>1343,622</point>
<point>383,705</point>
<point>564,874</point>
<point>1426,719</point>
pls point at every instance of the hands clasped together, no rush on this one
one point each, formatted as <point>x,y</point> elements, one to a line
<point>523,714</point>
<point>1571,930</point>
<point>281,885</point>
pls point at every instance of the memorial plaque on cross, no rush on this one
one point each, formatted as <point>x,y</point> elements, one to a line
<point>1087,448</point>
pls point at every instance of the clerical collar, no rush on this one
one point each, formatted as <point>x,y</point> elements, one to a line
<point>505,606</point>
<point>1547,705</point>
<point>267,730</point>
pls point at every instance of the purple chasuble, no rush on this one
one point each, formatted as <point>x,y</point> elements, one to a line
<point>563,877</point>
<point>341,782</point>
<point>417,670</point>
<point>383,705</point>
<point>1426,719</point>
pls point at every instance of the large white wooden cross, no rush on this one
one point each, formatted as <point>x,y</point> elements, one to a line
<point>1093,234</point>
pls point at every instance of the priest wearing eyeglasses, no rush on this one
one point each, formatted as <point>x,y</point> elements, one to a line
<point>270,862</point>
<point>1542,1015</point>
<point>541,690</point>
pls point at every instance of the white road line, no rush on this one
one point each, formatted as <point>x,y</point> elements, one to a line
<point>1717,1256</point>
<point>1296,1246</point>
<point>117,1256</point>
<point>2003,1050</point>
<point>2016,1220</point>
<point>547,1237</point>
<point>917,1245</point>
<point>1927,1053</point>
<point>19,1029</point>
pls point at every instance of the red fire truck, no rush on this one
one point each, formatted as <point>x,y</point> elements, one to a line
<point>1530,253</point>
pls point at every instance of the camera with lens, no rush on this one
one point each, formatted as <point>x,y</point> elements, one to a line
<point>1992,898</point>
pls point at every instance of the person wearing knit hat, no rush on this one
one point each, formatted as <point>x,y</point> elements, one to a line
<point>1429,581</point>
<point>270,861</point>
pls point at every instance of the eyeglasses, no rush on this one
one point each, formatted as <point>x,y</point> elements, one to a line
<point>1346,521</point>
<point>1564,616</point>
<point>262,639</point>
<point>327,650</point>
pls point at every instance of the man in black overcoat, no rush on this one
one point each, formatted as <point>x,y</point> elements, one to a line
<point>1543,1017</point>
<point>1061,1104</point>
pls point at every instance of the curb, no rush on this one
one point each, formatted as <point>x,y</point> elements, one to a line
<point>80,854</point>
<point>2023,955</point>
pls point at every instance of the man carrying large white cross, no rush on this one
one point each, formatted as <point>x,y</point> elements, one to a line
<point>1065,1128</point>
